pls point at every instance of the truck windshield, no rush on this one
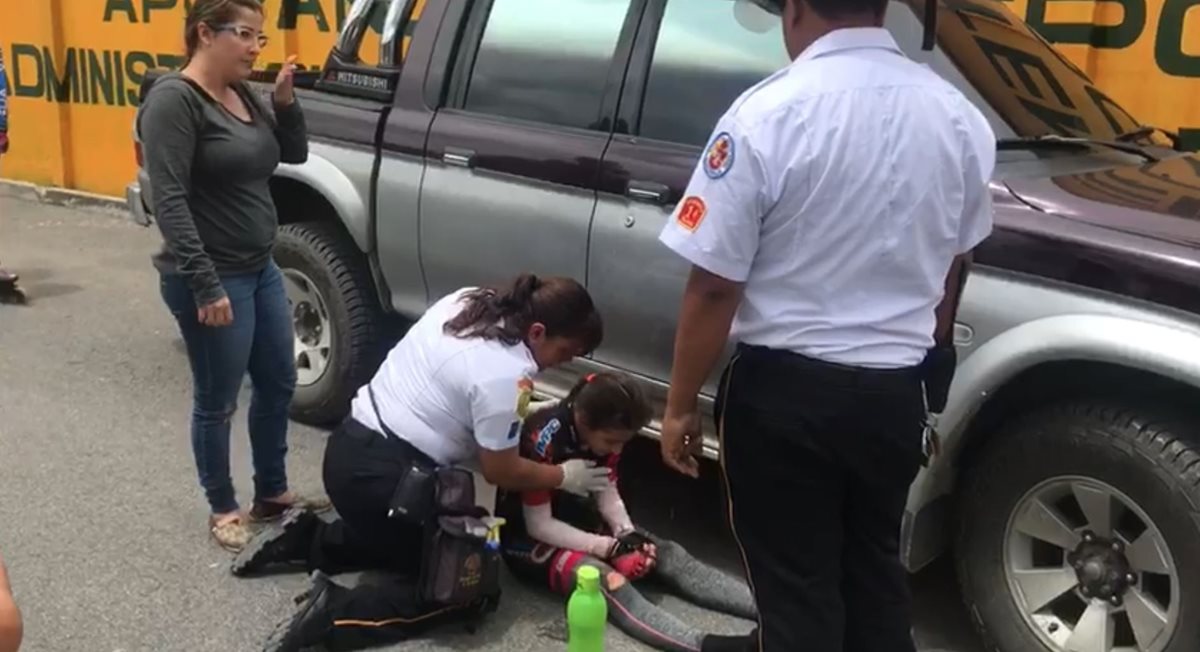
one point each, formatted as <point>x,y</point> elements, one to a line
<point>1031,85</point>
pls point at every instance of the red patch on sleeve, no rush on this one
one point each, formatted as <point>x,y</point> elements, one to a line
<point>535,498</point>
<point>691,213</point>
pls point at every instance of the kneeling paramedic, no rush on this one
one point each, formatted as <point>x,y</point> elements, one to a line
<point>449,399</point>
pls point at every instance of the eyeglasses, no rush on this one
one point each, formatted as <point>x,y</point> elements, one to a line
<point>244,34</point>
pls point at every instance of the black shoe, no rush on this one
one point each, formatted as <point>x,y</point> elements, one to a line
<point>287,540</point>
<point>718,643</point>
<point>305,629</point>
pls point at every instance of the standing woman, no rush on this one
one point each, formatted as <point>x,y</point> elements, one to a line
<point>211,146</point>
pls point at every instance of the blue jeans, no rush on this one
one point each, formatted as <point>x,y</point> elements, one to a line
<point>259,341</point>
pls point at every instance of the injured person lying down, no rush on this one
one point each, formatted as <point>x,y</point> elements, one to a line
<point>550,535</point>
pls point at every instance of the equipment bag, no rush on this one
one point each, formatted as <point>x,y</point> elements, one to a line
<point>461,562</point>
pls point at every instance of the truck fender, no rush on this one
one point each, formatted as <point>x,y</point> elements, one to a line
<point>1153,347</point>
<point>325,178</point>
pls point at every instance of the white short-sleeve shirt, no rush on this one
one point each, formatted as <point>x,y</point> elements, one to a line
<point>839,190</point>
<point>448,396</point>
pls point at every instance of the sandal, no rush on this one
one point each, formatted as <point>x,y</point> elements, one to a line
<point>264,511</point>
<point>230,533</point>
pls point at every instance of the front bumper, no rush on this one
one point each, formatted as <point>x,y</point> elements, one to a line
<point>137,207</point>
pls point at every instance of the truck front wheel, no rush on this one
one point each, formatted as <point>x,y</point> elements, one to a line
<point>335,317</point>
<point>1079,531</point>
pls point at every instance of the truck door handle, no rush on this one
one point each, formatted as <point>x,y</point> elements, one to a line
<point>459,157</point>
<point>648,191</point>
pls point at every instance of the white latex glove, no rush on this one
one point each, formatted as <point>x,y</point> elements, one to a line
<point>582,477</point>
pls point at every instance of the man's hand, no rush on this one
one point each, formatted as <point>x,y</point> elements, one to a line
<point>709,303</point>
<point>682,443</point>
<point>217,313</point>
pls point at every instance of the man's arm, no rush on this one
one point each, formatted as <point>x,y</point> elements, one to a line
<point>716,228</point>
<point>11,627</point>
<point>947,310</point>
<point>709,305</point>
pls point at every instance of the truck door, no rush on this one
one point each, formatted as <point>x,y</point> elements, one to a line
<point>691,60</point>
<point>513,154</point>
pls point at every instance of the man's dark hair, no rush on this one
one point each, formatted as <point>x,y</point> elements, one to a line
<point>833,9</point>
<point>562,305</point>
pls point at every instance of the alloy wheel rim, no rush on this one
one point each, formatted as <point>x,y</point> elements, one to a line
<point>1089,570</point>
<point>312,331</point>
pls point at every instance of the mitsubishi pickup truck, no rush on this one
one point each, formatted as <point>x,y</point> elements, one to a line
<point>483,138</point>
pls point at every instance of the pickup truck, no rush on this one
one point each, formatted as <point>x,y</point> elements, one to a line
<point>556,136</point>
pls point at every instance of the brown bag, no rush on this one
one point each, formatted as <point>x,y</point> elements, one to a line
<point>459,564</point>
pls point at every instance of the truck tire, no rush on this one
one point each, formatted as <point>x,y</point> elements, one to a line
<point>1079,530</point>
<point>336,318</point>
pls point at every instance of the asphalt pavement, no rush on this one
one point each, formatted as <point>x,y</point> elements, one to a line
<point>102,524</point>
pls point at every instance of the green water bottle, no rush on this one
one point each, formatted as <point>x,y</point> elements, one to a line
<point>587,613</point>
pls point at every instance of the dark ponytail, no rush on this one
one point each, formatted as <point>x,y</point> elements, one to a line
<point>562,305</point>
<point>608,401</point>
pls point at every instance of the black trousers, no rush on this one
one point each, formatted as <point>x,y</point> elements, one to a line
<point>818,460</point>
<point>361,471</point>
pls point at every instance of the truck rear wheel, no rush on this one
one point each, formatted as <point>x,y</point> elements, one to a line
<point>1079,531</point>
<point>335,316</point>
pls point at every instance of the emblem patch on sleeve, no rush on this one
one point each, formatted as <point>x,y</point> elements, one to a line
<point>524,396</point>
<point>719,157</point>
<point>691,213</point>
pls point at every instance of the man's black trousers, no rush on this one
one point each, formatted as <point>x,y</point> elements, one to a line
<point>819,458</point>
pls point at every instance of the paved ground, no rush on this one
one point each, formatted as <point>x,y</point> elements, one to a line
<point>102,524</point>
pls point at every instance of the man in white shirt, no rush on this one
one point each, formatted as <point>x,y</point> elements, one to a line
<point>829,223</point>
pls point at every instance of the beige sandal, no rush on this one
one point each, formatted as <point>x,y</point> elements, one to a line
<point>230,533</point>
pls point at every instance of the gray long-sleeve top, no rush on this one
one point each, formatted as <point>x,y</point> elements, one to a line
<point>209,173</point>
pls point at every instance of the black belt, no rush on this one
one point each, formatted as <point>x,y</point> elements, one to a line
<point>831,372</point>
<point>401,448</point>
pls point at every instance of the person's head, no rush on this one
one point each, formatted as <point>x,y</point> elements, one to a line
<point>609,410</point>
<point>805,21</point>
<point>554,317</point>
<point>226,35</point>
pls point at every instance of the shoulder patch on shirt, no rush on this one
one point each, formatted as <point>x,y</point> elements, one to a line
<point>691,213</point>
<point>545,436</point>
<point>719,157</point>
<point>524,396</point>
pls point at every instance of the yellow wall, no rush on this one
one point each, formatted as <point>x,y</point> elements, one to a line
<point>74,67</point>
<point>1145,54</point>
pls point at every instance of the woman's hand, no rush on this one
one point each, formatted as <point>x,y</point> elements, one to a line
<point>217,313</point>
<point>284,90</point>
<point>583,477</point>
<point>681,443</point>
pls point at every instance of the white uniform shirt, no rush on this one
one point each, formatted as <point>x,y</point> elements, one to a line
<point>839,190</point>
<point>447,395</point>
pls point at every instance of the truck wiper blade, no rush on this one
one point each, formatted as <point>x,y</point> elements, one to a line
<point>1146,131</point>
<point>1050,141</point>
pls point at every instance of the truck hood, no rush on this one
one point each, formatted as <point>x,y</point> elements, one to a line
<point>1159,200</point>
